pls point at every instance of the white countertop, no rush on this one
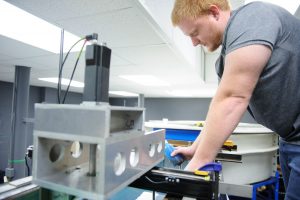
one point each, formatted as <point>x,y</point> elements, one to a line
<point>190,125</point>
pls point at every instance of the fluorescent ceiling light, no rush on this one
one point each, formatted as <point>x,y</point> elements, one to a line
<point>291,6</point>
<point>146,80</point>
<point>27,28</point>
<point>123,93</point>
<point>63,82</point>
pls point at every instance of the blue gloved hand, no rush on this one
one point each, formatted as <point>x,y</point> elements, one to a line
<point>176,160</point>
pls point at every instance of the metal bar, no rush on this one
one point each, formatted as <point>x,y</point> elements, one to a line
<point>277,180</point>
<point>254,189</point>
<point>272,180</point>
<point>181,174</point>
<point>18,192</point>
<point>92,160</point>
<point>61,54</point>
<point>216,185</point>
<point>236,190</point>
<point>17,188</point>
<point>141,101</point>
<point>229,157</point>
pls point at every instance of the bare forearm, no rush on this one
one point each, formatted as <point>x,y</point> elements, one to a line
<point>223,116</point>
<point>242,70</point>
<point>197,141</point>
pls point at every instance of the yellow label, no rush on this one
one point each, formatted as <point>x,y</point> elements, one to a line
<point>201,173</point>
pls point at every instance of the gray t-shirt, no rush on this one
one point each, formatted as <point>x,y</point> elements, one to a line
<point>275,102</point>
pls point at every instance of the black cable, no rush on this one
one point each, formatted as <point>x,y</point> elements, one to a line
<point>61,69</point>
<point>153,195</point>
<point>73,72</point>
<point>28,170</point>
<point>155,182</point>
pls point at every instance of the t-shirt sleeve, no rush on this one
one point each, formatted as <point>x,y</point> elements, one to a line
<point>254,24</point>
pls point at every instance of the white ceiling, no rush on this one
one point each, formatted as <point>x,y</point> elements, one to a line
<point>139,46</point>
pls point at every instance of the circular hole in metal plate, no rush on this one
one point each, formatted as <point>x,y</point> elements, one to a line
<point>159,147</point>
<point>56,152</point>
<point>134,157</point>
<point>119,163</point>
<point>76,149</point>
<point>151,150</point>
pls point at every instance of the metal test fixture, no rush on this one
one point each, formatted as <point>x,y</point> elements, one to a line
<point>113,149</point>
<point>93,150</point>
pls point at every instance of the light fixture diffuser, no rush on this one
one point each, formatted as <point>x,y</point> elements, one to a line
<point>20,25</point>
<point>123,93</point>
<point>64,81</point>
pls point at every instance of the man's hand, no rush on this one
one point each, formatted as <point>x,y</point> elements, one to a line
<point>187,152</point>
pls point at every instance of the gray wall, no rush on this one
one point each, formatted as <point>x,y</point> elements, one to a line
<point>174,108</point>
<point>5,109</point>
<point>50,96</point>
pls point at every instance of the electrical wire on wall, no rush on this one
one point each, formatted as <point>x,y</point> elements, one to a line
<point>93,36</point>
<point>73,72</point>
<point>61,68</point>
<point>28,156</point>
<point>27,166</point>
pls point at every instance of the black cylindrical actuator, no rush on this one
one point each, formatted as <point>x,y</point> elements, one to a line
<point>96,78</point>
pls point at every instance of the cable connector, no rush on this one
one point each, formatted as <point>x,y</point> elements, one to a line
<point>94,36</point>
<point>29,152</point>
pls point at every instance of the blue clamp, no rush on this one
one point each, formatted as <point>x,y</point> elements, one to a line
<point>213,166</point>
<point>175,160</point>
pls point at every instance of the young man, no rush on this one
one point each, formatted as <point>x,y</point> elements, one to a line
<point>259,70</point>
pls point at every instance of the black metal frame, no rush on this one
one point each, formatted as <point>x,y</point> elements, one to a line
<point>179,183</point>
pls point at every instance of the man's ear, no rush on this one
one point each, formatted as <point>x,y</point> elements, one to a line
<point>214,11</point>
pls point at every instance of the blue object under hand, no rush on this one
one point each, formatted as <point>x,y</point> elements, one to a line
<point>175,160</point>
<point>212,167</point>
